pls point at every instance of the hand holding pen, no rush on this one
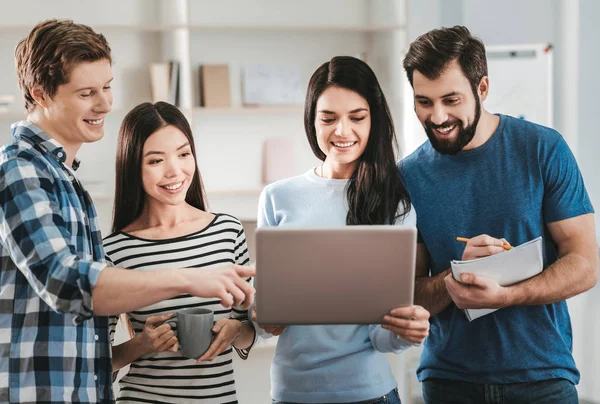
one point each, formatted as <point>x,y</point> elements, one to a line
<point>483,246</point>
<point>473,291</point>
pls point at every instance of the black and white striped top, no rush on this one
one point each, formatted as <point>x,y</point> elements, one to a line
<point>167,377</point>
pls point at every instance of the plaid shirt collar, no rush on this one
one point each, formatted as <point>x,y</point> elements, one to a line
<point>37,137</point>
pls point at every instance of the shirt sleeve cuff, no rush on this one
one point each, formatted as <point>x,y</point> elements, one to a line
<point>92,273</point>
<point>399,344</point>
<point>243,353</point>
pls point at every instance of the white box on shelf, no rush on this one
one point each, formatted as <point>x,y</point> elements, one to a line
<point>272,84</point>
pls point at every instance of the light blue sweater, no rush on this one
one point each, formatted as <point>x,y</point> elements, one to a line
<point>325,364</point>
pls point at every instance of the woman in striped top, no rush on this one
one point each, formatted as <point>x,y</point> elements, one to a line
<point>160,220</point>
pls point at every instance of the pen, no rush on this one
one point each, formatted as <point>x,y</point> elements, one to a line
<point>464,240</point>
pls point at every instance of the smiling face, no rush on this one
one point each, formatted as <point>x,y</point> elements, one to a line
<point>168,166</point>
<point>447,108</point>
<point>75,114</point>
<point>343,125</point>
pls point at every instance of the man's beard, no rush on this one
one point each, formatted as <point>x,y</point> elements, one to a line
<point>453,146</point>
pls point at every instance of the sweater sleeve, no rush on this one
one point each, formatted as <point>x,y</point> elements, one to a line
<point>386,341</point>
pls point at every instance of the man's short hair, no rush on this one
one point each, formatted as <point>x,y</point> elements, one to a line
<point>47,56</point>
<point>431,53</point>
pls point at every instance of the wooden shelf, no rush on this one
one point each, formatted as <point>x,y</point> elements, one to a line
<point>248,109</point>
<point>196,32</point>
<point>13,115</point>
<point>100,27</point>
<point>234,192</point>
<point>219,193</point>
<point>16,115</point>
<point>339,28</point>
<point>166,28</point>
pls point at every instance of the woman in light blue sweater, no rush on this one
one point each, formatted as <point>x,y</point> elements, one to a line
<point>349,128</point>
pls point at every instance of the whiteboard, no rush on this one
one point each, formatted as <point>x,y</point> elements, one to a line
<point>521,78</point>
<point>521,82</point>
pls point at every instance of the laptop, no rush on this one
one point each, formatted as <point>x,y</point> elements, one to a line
<point>346,275</point>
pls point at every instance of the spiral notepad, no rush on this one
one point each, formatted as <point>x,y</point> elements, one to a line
<point>506,268</point>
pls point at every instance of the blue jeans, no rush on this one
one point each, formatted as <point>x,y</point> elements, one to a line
<point>390,398</point>
<point>553,391</point>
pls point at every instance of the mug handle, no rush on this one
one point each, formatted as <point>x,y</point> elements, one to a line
<point>173,321</point>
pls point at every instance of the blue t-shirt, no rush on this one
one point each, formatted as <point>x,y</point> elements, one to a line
<point>522,178</point>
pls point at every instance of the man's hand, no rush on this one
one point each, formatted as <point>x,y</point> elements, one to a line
<point>226,282</point>
<point>476,292</point>
<point>483,246</point>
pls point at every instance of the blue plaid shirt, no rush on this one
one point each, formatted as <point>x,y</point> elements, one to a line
<point>52,348</point>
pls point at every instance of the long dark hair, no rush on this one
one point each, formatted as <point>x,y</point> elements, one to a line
<point>138,125</point>
<point>376,187</point>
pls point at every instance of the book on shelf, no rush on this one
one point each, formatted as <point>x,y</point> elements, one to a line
<point>6,99</point>
<point>215,89</point>
<point>507,268</point>
<point>174,82</point>
<point>6,106</point>
<point>277,159</point>
<point>164,82</point>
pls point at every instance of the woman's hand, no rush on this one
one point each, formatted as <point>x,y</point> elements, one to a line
<point>271,329</point>
<point>226,331</point>
<point>158,336</point>
<point>410,323</point>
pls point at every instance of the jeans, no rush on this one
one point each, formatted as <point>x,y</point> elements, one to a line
<point>553,391</point>
<point>390,398</point>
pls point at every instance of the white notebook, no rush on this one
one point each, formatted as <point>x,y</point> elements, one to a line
<point>507,268</point>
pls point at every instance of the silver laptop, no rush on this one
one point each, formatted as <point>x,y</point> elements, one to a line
<point>347,275</point>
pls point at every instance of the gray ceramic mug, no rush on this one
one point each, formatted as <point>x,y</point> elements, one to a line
<point>193,330</point>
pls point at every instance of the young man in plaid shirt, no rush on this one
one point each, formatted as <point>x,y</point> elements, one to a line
<point>55,287</point>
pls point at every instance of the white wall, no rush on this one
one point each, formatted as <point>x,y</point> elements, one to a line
<point>510,21</point>
<point>424,16</point>
<point>588,85</point>
<point>533,21</point>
